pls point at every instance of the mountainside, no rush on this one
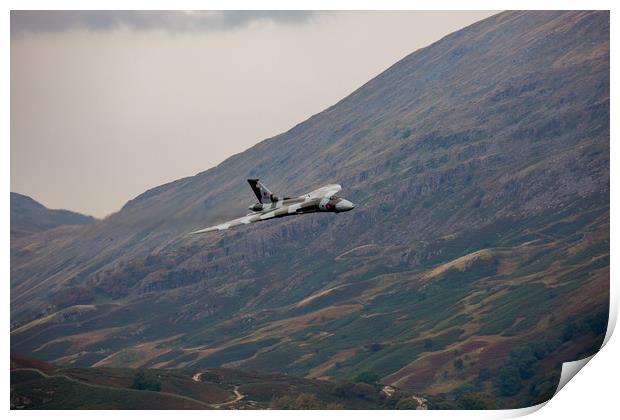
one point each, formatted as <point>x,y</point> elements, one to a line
<point>39,385</point>
<point>477,257</point>
<point>29,216</point>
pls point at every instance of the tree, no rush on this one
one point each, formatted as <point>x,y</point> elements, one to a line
<point>145,381</point>
<point>374,347</point>
<point>407,404</point>
<point>392,400</point>
<point>302,401</point>
<point>344,389</point>
<point>508,382</point>
<point>368,377</point>
<point>568,332</point>
<point>598,322</point>
<point>458,363</point>
<point>474,401</point>
<point>440,402</point>
<point>365,391</point>
<point>543,389</point>
<point>524,358</point>
<point>484,374</point>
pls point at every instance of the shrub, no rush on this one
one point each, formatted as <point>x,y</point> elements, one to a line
<point>568,332</point>
<point>391,401</point>
<point>484,374</point>
<point>407,404</point>
<point>474,401</point>
<point>365,391</point>
<point>302,401</point>
<point>368,377</point>
<point>543,389</point>
<point>598,322</point>
<point>374,347</point>
<point>523,358</point>
<point>508,382</point>
<point>344,389</point>
<point>145,381</point>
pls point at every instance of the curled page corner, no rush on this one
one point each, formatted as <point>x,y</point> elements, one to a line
<point>569,370</point>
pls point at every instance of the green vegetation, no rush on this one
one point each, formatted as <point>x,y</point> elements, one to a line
<point>529,301</point>
<point>407,403</point>
<point>368,377</point>
<point>286,354</point>
<point>454,321</point>
<point>24,376</point>
<point>593,251</point>
<point>53,349</point>
<point>544,388</point>
<point>508,381</point>
<point>525,368</point>
<point>394,357</point>
<point>125,357</point>
<point>302,402</point>
<point>474,401</point>
<point>236,352</point>
<point>476,270</point>
<point>60,393</point>
<point>145,381</point>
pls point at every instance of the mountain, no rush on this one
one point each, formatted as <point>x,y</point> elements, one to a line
<point>476,260</point>
<point>29,216</point>
<point>35,228</point>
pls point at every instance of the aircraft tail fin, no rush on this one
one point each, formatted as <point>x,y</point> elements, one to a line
<point>262,193</point>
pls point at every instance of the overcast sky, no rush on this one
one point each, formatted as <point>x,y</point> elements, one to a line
<point>105,105</point>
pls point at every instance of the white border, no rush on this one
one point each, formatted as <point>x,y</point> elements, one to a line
<point>592,395</point>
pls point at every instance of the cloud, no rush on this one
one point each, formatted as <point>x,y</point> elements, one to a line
<point>26,21</point>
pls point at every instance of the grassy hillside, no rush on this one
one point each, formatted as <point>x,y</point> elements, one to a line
<point>476,260</point>
<point>39,385</point>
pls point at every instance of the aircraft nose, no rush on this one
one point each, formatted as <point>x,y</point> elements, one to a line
<point>344,205</point>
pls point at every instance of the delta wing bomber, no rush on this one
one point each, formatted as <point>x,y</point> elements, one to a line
<point>270,206</point>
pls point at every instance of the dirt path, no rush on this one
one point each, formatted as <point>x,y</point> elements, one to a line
<point>422,402</point>
<point>238,395</point>
<point>69,378</point>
